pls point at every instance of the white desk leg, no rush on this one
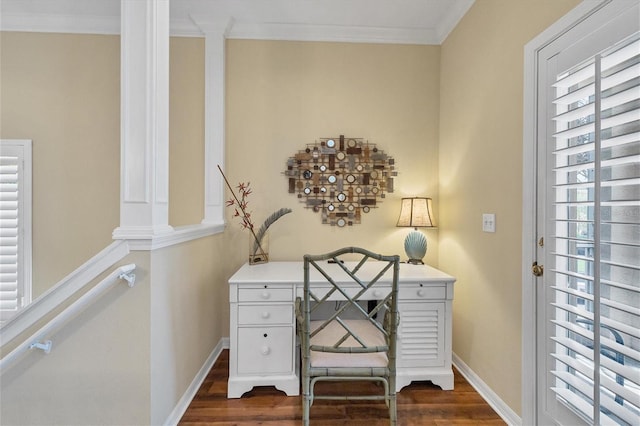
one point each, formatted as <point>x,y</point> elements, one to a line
<point>442,379</point>
<point>238,386</point>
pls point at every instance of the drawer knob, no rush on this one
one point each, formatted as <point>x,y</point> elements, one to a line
<point>265,350</point>
<point>420,293</point>
<point>266,294</point>
<point>377,293</point>
<point>266,315</point>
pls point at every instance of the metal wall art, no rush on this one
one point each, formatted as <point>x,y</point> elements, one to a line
<point>341,178</point>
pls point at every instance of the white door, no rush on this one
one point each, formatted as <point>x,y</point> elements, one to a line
<point>587,297</point>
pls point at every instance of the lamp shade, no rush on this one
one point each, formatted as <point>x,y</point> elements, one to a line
<point>416,212</point>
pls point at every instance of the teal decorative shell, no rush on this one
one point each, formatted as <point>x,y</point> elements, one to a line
<point>415,245</point>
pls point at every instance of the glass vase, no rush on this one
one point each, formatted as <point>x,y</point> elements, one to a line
<point>258,251</point>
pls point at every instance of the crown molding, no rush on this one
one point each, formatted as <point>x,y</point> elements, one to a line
<point>245,29</point>
<point>40,23</point>
<point>238,30</point>
<point>333,33</point>
<point>451,20</point>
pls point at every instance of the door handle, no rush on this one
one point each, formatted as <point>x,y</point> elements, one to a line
<point>537,270</point>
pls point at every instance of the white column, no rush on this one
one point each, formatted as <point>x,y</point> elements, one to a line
<point>144,181</point>
<point>215,36</point>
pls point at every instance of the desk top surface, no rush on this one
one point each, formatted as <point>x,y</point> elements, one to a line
<point>293,273</point>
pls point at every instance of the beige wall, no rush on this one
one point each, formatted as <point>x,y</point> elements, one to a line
<point>63,92</point>
<point>97,362</point>
<point>189,316</point>
<point>284,95</point>
<point>481,172</point>
<point>186,131</point>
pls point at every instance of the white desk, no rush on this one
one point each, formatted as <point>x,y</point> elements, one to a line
<point>263,328</point>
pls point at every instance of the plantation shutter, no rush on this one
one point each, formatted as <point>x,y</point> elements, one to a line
<point>14,221</point>
<point>595,222</point>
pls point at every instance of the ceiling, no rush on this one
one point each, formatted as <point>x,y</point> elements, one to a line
<point>381,21</point>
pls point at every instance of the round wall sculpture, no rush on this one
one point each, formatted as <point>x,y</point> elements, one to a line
<point>341,178</point>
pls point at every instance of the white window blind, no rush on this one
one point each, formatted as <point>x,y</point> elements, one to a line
<point>596,232</point>
<point>15,226</point>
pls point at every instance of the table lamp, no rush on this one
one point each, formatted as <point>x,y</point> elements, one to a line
<point>416,212</point>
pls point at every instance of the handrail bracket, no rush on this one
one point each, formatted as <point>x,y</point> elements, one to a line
<point>45,346</point>
<point>130,277</point>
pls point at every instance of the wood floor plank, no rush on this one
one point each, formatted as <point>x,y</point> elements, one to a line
<point>419,404</point>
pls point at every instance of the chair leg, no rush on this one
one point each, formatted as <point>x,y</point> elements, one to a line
<point>393,410</point>
<point>306,407</point>
<point>306,401</point>
<point>393,413</point>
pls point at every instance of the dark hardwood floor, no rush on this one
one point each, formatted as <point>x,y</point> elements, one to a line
<point>420,403</point>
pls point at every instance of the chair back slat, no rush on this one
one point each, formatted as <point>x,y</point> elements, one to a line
<point>331,290</point>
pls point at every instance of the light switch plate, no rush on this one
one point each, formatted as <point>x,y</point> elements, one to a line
<point>489,222</point>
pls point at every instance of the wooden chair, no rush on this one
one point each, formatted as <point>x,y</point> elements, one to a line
<point>350,343</point>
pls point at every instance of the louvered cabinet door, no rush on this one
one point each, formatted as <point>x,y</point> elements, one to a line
<point>422,335</point>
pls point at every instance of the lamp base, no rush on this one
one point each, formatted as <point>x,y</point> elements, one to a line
<point>415,245</point>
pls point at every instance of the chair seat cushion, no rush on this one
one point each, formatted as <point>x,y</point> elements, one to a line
<point>366,331</point>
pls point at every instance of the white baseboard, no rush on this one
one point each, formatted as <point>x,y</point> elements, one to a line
<point>187,397</point>
<point>503,410</point>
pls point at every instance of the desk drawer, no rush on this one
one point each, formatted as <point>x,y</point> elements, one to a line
<point>265,294</point>
<point>418,292</point>
<point>265,350</point>
<point>373,294</point>
<point>265,314</point>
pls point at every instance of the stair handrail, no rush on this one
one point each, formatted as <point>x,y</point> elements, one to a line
<point>36,341</point>
<point>58,294</point>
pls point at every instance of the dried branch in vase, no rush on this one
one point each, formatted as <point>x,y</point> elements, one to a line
<point>240,204</point>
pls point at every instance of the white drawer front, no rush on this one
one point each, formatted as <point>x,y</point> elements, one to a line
<point>372,294</point>
<point>264,350</point>
<point>265,294</point>
<point>265,314</point>
<point>416,292</point>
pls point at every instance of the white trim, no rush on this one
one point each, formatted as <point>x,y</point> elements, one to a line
<point>502,409</point>
<point>247,27</point>
<point>27,220</point>
<point>215,32</point>
<point>242,30</point>
<point>184,402</point>
<point>451,20</point>
<point>144,133</point>
<point>179,235</point>
<point>49,23</point>
<point>529,152</point>
<point>56,295</point>
<point>331,33</point>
